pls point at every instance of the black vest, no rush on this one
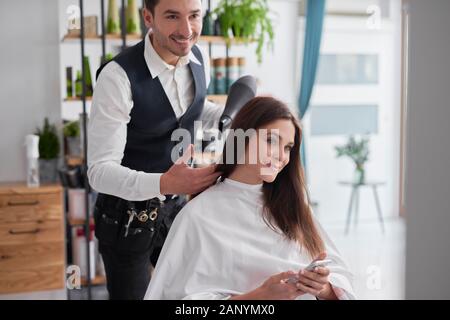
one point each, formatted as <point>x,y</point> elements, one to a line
<point>149,146</point>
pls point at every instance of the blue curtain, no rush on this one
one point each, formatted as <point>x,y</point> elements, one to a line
<point>315,10</point>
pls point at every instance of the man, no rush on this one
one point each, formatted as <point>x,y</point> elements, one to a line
<point>141,97</point>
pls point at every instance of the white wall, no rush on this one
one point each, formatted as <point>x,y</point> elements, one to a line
<point>427,192</point>
<point>29,78</point>
<point>277,74</point>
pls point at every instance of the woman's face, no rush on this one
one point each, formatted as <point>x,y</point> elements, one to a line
<point>271,147</point>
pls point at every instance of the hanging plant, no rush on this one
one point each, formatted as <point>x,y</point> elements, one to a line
<point>247,20</point>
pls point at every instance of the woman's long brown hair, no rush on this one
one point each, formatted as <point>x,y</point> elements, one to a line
<point>286,201</point>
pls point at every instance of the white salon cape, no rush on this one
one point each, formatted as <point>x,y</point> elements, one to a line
<point>219,245</point>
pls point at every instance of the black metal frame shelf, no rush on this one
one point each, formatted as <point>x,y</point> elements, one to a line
<point>88,281</point>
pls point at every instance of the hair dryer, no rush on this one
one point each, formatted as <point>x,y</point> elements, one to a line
<point>241,92</point>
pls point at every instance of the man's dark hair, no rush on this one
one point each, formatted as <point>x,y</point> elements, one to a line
<point>151,4</point>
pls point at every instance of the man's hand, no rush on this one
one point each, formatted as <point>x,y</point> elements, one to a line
<point>182,179</point>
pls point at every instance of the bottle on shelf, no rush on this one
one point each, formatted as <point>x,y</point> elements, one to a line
<point>133,20</point>
<point>113,22</point>
<point>79,251</point>
<point>78,85</point>
<point>217,28</point>
<point>233,71</point>
<point>212,87</point>
<point>208,24</point>
<point>69,82</point>
<point>88,77</point>
<point>241,62</point>
<point>76,204</point>
<point>32,146</point>
<point>220,82</point>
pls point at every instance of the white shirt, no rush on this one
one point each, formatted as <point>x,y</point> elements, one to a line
<point>219,245</point>
<point>110,114</point>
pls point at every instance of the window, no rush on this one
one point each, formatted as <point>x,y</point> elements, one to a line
<point>345,120</point>
<point>347,69</point>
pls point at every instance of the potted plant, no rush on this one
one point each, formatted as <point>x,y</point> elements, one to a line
<point>72,134</point>
<point>48,152</point>
<point>247,20</point>
<point>358,151</point>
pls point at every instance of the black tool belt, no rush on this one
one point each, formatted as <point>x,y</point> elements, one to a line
<point>132,226</point>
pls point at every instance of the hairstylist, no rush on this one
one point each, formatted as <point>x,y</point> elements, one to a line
<point>141,97</point>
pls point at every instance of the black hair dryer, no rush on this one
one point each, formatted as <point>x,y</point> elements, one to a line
<point>241,92</point>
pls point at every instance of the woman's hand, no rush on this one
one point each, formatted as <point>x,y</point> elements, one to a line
<point>316,282</point>
<point>274,288</point>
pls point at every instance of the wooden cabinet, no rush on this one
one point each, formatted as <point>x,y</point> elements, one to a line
<point>32,250</point>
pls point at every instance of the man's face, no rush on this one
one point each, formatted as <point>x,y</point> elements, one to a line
<point>176,25</point>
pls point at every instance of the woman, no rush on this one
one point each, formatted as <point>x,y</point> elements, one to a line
<point>244,237</point>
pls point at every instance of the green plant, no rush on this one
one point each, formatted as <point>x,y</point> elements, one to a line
<point>72,129</point>
<point>48,141</point>
<point>358,152</point>
<point>248,20</point>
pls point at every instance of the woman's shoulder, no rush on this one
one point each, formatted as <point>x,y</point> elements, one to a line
<point>202,201</point>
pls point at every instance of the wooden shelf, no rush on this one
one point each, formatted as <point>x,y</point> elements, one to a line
<point>72,99</point>
<point>131,37</point>
<point>222,40</point>
<point>74,161</point>
<point>79,222</point>
<point>98,280</point>
<point>218,98</point>
<point>21,188</point>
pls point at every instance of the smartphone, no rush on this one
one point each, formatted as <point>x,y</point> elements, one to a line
<point>310,267</point>
<point>318,263</point>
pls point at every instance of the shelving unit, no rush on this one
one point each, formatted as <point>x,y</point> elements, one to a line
<point>89,280</point>
<point>210,40</point>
